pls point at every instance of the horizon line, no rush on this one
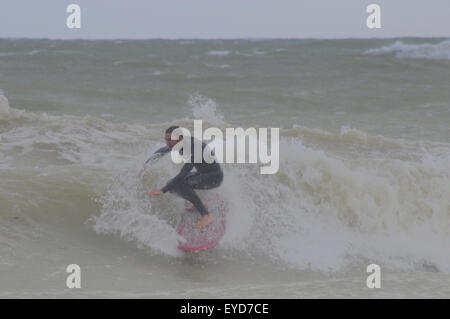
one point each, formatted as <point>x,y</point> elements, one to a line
<point>231,38</point>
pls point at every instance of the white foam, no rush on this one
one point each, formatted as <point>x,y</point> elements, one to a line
<point>415,51</point>
<point>4,105</point>
<point>219,52</point>
<point>218,66</point>
<point>205,109</point>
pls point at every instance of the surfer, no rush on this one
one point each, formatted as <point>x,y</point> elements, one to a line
<point>206,176</point>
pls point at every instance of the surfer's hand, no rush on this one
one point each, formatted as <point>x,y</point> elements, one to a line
<point>153,193</point>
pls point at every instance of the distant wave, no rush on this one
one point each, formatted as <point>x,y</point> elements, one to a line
<point>216,52</point>
<point>415,51</point>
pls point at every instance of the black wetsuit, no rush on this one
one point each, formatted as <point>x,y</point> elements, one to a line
<point>207,176</point>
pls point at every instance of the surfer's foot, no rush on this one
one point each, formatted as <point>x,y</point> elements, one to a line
<point>205,220</point>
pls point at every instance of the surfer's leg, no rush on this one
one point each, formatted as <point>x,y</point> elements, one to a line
<point>186,191</point>
<point>198,180</point>
<point>205,180</point>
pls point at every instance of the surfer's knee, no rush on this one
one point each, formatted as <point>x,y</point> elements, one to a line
<point>217,180</point>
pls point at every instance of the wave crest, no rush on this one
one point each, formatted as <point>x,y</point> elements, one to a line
<point>415,51</point>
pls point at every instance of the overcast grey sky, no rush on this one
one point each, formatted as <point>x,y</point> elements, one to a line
<point>102,19</point>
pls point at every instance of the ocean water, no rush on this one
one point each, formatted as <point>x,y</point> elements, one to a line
<point>364,172</point>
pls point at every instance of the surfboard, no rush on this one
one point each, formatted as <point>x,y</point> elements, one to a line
<point>198,239</point>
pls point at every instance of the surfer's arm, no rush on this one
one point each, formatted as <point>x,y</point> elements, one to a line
<point>187,167</point>
<point>158,153</point>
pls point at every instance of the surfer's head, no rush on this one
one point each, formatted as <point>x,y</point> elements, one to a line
<point>171,140</point>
